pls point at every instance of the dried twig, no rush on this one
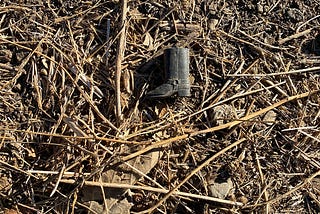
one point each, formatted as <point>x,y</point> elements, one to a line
<point>153,189</point>
<point>58,181</point>
<point>17,169</point>
<point>52,110</point>
<point>282,196</point>
<point>295,36</point>
<point>191,174</point>
<point>216,128</point>
<point>298,71</point>
<point>104,139</point>
<point>120,55</point>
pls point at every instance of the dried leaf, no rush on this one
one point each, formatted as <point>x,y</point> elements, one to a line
<point>122,207</point>
<point>5,184</point>
<point>11,211</point>
<point>122,174</point>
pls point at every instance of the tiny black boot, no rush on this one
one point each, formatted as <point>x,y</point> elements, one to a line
<point>176,63</point>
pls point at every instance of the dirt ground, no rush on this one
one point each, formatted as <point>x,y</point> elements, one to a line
<point>78,135</point>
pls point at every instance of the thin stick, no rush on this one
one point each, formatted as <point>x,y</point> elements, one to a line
<point>262,43</point>
<point>282,196</point>
<point>313,18</point>
<point>216,128</point>
<point>120,55</point>
<point>309,135</point>
<point>65,174</point>
<point>16,168</point>
<point>153,189</point>
<point>295,36</point>
<point>108,44</point>
<point>70,137</point>
<point>154,146</point>
<point>276,74</point>
<point>300,128</point>
<point>7,138</point>
<point>263,182</point>
<point>58,181</point>
<point>191,174</point>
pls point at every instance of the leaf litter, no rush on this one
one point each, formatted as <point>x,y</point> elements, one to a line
<point>78,135</point>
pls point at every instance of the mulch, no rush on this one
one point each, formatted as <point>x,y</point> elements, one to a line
<point>78,134</point>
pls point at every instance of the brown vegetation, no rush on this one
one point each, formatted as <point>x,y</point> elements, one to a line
<point>78,135</point>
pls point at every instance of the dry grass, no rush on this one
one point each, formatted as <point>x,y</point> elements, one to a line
<point>78,135</point>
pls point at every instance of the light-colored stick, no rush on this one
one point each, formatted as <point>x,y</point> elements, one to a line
<point>295,36</point>
<point>65,174</point>
<point>305,70</point>
<point>168,141</point>
<point>282,196</point>
<point>104,139</point>
<point>153,189</point>
<point>150,210</point>
<point>120,55</point>
<point>17,169</point>
<point>58,181</point>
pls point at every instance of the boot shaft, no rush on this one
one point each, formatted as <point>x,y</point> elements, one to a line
<point>176,62</point>
<point>176,65</point>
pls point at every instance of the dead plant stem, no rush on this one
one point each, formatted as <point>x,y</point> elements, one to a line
<point>191,174</point>
<point>282,196</point>
<point>153,189</point>
<point>120,56</point>
<point>299,71</point>
<point>169,141</point>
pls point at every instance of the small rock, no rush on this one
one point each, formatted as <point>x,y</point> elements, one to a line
<point>223,114</point>
<point>260,8</point>
<point>213,23</point>
<point>220,190</point>
<point>243,199</point>
<point>270,117</point>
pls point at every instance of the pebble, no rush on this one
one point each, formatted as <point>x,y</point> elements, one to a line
<point>270,117</point>
<point>220,190</point>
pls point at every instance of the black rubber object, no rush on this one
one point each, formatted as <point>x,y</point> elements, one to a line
<point>176,63</point>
